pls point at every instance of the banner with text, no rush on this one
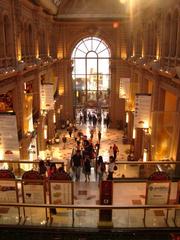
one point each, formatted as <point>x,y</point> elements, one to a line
<point>142,110</point>
<point>124,88</point>
<point>9,144</point>
<point>157,193</point>
<point>47,96</point>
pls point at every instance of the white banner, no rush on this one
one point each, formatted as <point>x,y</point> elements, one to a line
<point>124,88</point>
<point>157,193</point>
<point>142,110</point>
<point>47,96</point>
<point>9,144</point>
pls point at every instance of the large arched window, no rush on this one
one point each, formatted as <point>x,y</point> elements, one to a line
<point>91,74</point>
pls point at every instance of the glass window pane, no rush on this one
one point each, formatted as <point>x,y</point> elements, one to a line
<point>83,48</point>
<point>95,44</point>
<point>92,82</point>
<point>79,66</point>
<point>91,78</point>
<point>103,66</point>
<point>91,65</point>
<point>101,47</point>
<point>88,44</point>
<point>104,54</point>
<point>80,97</point>
<point>91,96</point>
<point>103,98</point>
<point>104,81</point>
<point>79,82</point>
<point>80,54</point>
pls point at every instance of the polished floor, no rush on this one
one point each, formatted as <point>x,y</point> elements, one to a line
<point>88,193</point>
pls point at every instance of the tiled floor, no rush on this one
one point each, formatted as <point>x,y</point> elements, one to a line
<point>87,193</point>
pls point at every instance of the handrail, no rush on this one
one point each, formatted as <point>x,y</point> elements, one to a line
<point>119,162</point>
<point>174,206</point>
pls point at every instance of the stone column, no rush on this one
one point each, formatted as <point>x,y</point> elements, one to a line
<point>66,89</point>
<point>117,105</point>
<point>51,125</point>
<point>138,144</point>
<point>40,134</point>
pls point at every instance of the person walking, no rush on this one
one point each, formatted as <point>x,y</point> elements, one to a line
<point>101,168</point>
<point>115,151</point>
<point>110,151</point>
<point>76,164</point>
<point>87,168</point>
<point>111,168</point>
<point>64,140</point>
<point>70,129</point>
<point>107,120</point>
<point>99,136</point>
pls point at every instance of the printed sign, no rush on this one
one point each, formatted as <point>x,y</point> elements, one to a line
<point>157,193</point>
<point>124,88</point>
<point>142,110</point>
<point>33,193</point>
<point>46,96</point>
<point>8,192</point>
<point>9,145</point>
<point>61,193</point>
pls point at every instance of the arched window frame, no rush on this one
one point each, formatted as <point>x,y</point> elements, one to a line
<point>84,48</point>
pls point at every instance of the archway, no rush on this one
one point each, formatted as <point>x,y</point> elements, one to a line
<point>91,74</point>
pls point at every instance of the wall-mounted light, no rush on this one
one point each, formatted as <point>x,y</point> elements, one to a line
<point>45,132</point>
<point>145,155</point>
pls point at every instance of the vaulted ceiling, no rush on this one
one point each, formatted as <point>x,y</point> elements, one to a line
<point>79,9</point>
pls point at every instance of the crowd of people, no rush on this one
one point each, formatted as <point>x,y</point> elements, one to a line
<point>85,154</point>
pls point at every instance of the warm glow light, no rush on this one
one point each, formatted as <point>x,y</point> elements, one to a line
<point>134,133</point>
<point>123,54</point>
<point>127,117</point>
<point>142,53</point>
<point>157,50</point>
<point>37,50</point>
<point>61,91</point>
<point>145,155</point>
<point>54,118</point>
<point>122,1</point>
<point>146,124</point>
<point>45,132</point>
<point>19,55</point>
<point>42,155</point>
<point>115,24</point>
<point>60,54</point>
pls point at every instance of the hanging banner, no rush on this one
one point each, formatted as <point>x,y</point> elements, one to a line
<point>142,110</point>
<point>124,88</point>
<point>28,117</point>
<point>157,193</point>
<point>47,96</point>
<point>9,144</point>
